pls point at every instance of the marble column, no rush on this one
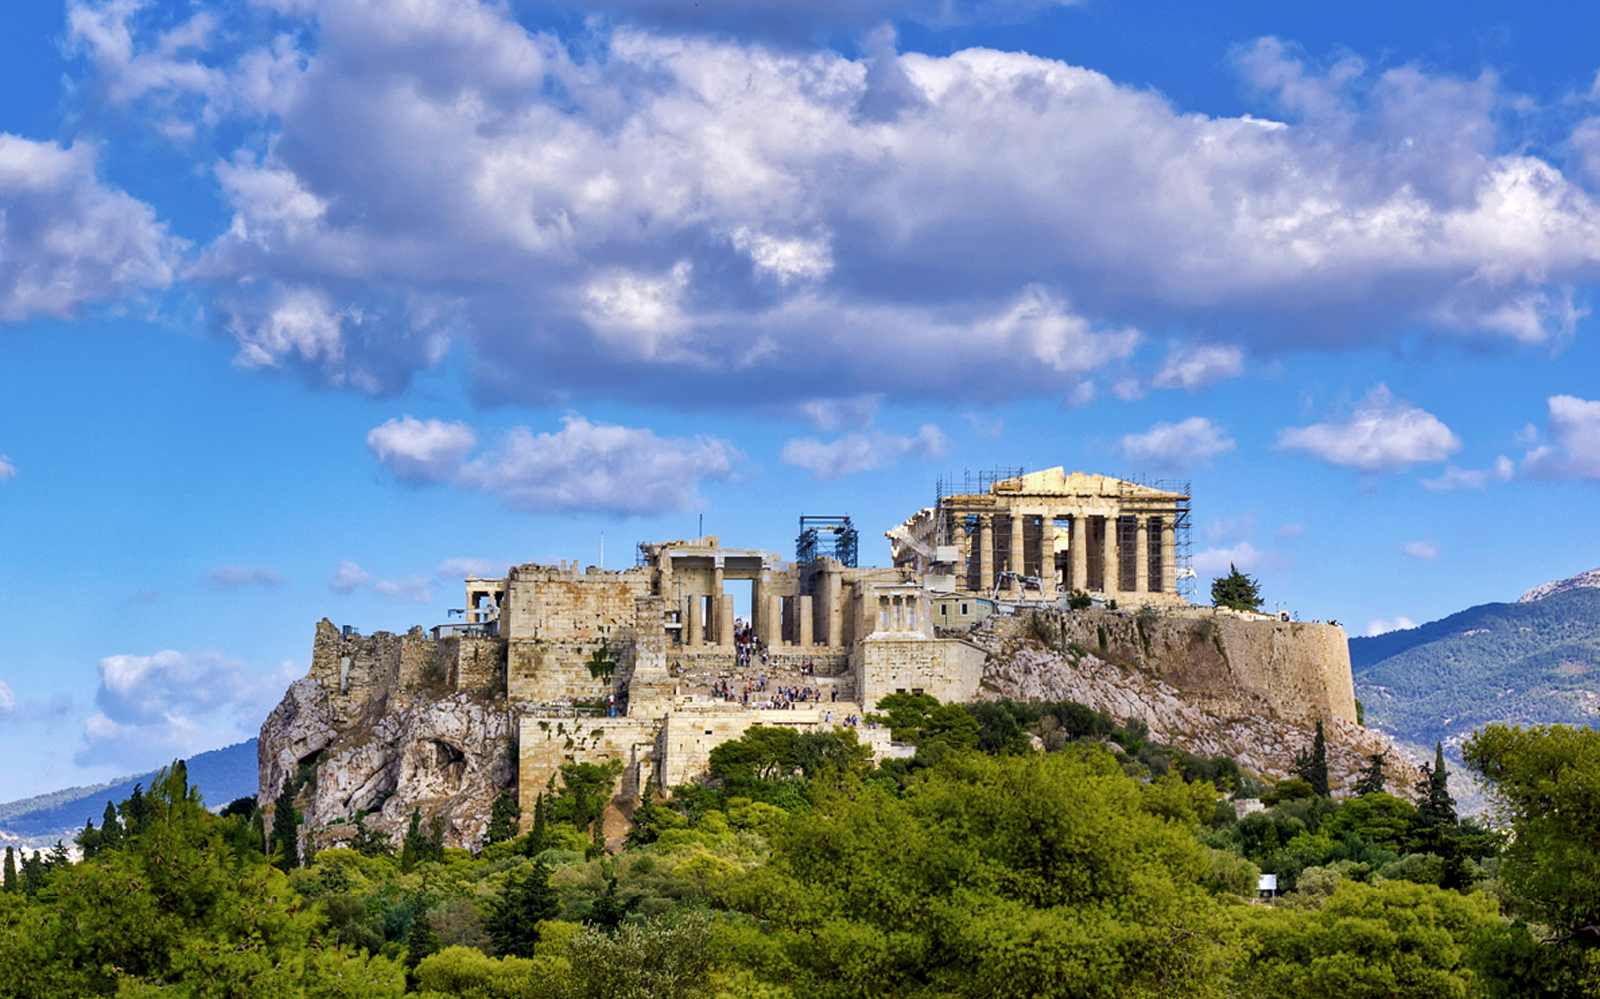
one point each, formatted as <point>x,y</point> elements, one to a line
<point>1079,552</point>
<point>1018,558</point>
<point>693,625</point>
<point>1111,559</point>
<point>1141,566</point>
<point>805,621</point>
<point>1169,553</point>
<point>1047,555</point>
<point>985,554</point>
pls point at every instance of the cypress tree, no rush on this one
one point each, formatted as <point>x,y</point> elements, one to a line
<point>285,830</point>
<point>1312,767</point>
<point>1438,807</point>
<point>513,923</point>
<point>539,834</point>
<point>1372,778</point>
<point>503,816</point>
<point>110,829</point>
<point>10,883</point>
<point>89,839</point>
<point>414,848</point>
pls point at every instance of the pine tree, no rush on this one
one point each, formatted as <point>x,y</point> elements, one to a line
<point>110,829</point>
<point>1372,778</point>
<point>88,840</point>
<point>513,923</point>
<point>1312,767</point>
<point>10,883</point>
<point>414,848</point>
<point>420,941</point>
<point>1236,590</point>
<point>503,816</point>
<point>135,813</point>
<point>285,830</point>
<point>538,836</point>
<point>33,871</point>
<point>1438,808</point>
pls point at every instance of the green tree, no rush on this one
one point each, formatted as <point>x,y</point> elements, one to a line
<point>1546,782</point>
<point>10,883</point>
<point>1312,767</point>
<point>285,829</point>
<point>514,917</point>
<point>1371,779</point>
<point>110,829</point>
<point>539,835</point>
<point>414,849</point>
<point>1236,591</point>
<point>1437,807</point>
<point>585,790</point>
<point>503,816</point>
<point>602,663</point>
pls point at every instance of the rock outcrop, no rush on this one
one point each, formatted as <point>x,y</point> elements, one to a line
<point>376,751</point>
<point>1263,743</point>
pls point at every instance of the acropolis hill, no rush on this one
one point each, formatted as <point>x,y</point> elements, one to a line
<point>650,667</point>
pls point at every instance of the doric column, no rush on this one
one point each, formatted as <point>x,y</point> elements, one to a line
<point>958,537</point>
<point>833,586</point>
<point>1169,561</point>
<point>1079,552</point>
<point>1018,559</point>
<point>985,554</point>
<point>1141,564</point>
<point>1111,558</point>
<point>725,620</point>
<point>1047,554</point>
<point>772,621</point>
<point>805,622</point>
<point>716,604</point>
<point>694,627</point>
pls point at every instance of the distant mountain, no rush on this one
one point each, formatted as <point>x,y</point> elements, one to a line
<point>1536,661</point>
<point>221,775</point>
<point>1582,581</point>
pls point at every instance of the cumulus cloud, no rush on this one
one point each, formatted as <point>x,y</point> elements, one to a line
<point>1195,366</point>
<point>672,215</point>
<point>457,569</point>
<point>152,709</point>
<point>421,450</point>
<point>862,452</point>
<point>598,467</point>
<point>69,239</point>
<point>1177,446</point>
<point>1464,478</point>
<point>1382,434</point>
<point>8,699</point>
<point>1215,561</point>
<point>1422,551</point>
<point>1382,626</point>
<point>7,469</point>
<point>1574,427</point>
<point>227,577</point>
<point>348,578</point>
<point>409,590</point>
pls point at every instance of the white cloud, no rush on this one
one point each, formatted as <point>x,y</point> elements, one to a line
<point>1177,446</point>
<point>348,578</point>
<point>421,450</point>
<point>8,699</point>
<point>7,469</point>
<point>1215,561</point>
<point>455,570</point>
<point>1230,529</point>
<point>862,452</point>
<point>1422,551</point>
<point>854,413</point>
<point>671,214</point>
<point>1382,626</point>
<point>155,708</point>
<point>1195,366</point>
<point>1383,434</point>
<point>69,239</point>
<point>410,590</point>
<point>598,467</point>
<point>1288,531</point>
<point>1462,478</point>
<point>1575,428</point>
<point>226,577</point>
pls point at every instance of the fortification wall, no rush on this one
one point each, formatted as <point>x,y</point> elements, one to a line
<point>355,671</point>
<point>547,742</point>
<point>1229,665</point>
<point>905,662</point>
<point>561,605</point>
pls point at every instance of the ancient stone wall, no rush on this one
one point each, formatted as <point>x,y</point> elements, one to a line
<point>480,663</point>
<point>1229,665</point>
<point>355,671</point>
<point>561,605</point>
<point>546,741</point>
<point>906,662</point>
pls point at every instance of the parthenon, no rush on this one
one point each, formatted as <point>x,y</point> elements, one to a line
<point>1034,536</point>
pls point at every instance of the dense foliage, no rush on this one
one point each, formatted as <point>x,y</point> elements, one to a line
<point>1025,850</point>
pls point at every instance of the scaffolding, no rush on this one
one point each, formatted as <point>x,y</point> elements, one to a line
<point>831,536</point>
<point>970,483</point>
<point>1182,555</point>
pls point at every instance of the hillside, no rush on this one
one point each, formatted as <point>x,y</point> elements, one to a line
<point>1532,662</point>
<point>221,775</point>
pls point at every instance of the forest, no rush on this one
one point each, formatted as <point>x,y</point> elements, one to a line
<point>1025,850</point>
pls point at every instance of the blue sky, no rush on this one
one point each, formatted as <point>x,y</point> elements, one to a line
<point>309,307</point>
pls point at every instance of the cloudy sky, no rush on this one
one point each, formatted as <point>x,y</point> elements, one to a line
<point>311,307</point>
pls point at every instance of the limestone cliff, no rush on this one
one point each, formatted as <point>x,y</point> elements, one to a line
<point>1247,689</point>
<point>386,724</point>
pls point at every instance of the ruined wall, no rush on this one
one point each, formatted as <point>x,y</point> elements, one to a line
<point>546,741</point>
<point>480,663</point>
<point>356,672</point>
<point>561,605</point>
<point>687,737</point>
<point>896,662</point>
<point>1226,664</point>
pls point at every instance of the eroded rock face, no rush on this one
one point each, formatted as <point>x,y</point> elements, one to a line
<point>445,755</point>
<point>1263,744</point>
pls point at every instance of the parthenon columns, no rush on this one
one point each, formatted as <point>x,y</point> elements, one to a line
<point>1141,548</point>
<point>1047,556</point>
<point>1079,552</point>
<point>1169,562</point>
<point>985,554</point>
<point>1018,526</point>
<point>1111,560</point>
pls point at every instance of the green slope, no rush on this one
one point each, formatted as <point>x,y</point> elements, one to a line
<point>1532,663</point>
